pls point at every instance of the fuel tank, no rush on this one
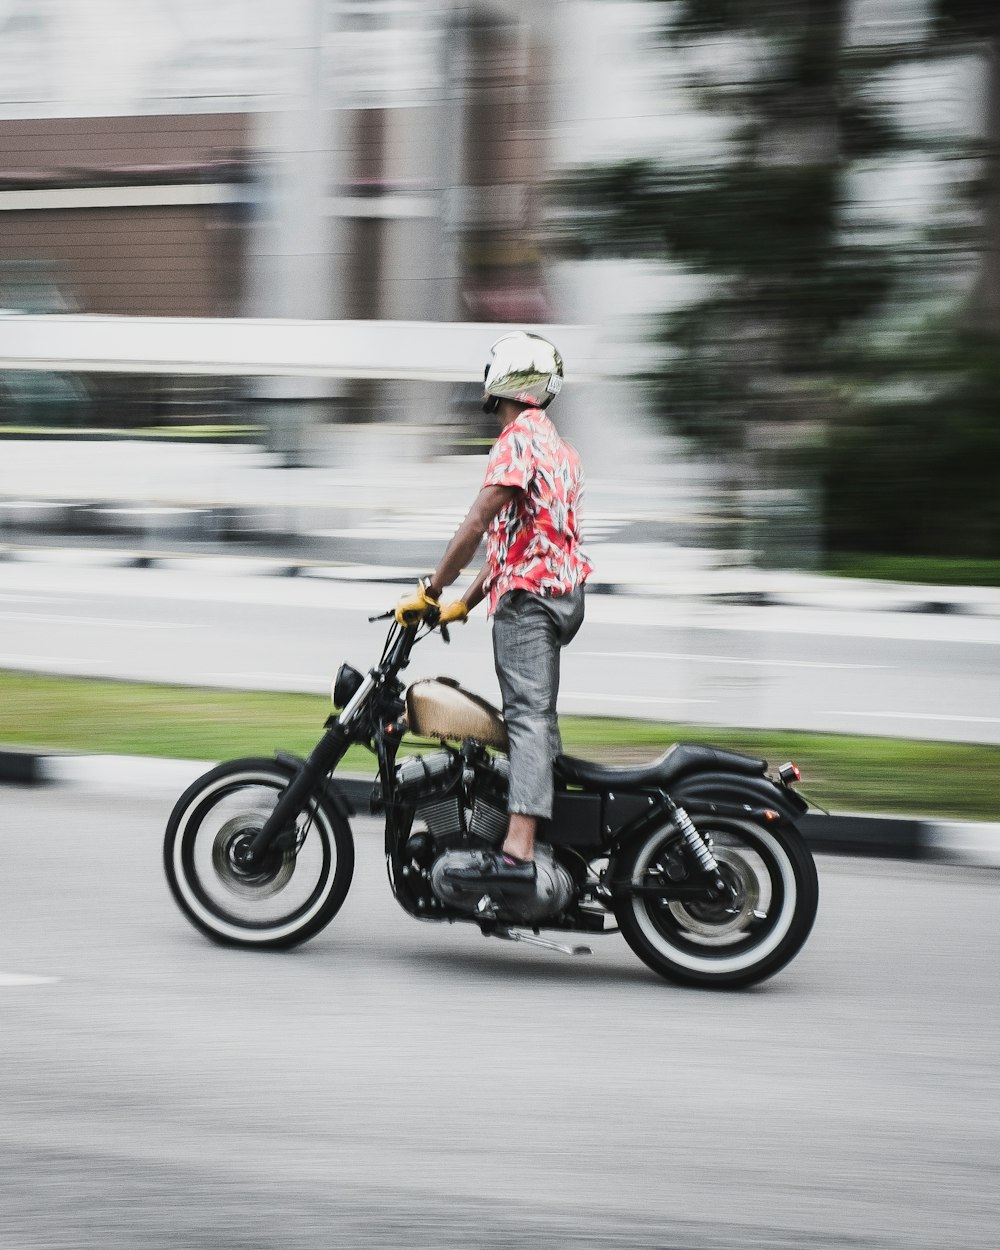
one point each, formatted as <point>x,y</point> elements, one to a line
<point>438,707</point>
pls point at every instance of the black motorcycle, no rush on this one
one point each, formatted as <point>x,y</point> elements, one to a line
<point>695,857</point>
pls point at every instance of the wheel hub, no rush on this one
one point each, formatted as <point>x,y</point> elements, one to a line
<point>730,912</point>
<point>230,851</point>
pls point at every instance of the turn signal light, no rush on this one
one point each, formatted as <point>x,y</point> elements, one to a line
<point>789,773</point>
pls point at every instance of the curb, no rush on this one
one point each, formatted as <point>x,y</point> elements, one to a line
<point>961,843</point>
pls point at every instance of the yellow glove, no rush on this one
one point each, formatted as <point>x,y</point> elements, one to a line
<point>457,610</point>
<point>412,607</point>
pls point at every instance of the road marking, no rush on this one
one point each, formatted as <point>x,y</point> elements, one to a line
<point>48,664</point>
<point>721,659</point>
<point>14,979</point>
<point>628,698</point>
<point>961,720</point>
<point>53,618</point>
<point>8,596</point>
<point>299,678</point>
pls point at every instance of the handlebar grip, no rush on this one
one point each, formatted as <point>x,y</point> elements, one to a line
<point>444,633</point>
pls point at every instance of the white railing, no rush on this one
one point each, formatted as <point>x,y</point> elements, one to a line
<point>216,347</point>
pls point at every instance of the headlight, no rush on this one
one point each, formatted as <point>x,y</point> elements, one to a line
<point>346,685</point>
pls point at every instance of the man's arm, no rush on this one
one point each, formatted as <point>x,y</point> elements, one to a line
<point>476,594</point>
<point>466,542</point>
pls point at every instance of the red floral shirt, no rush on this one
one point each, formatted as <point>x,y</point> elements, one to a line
<point>533,543</point>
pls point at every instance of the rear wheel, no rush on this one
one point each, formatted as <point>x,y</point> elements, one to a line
<point>762,923</point>
<point>284,900</point>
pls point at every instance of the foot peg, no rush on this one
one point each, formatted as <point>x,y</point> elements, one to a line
<point>532,939</point>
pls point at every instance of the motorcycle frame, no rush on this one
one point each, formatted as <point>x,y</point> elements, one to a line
<point>378,725</point>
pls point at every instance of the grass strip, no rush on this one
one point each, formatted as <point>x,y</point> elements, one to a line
<point>841,772</point>
<point>924,570</point>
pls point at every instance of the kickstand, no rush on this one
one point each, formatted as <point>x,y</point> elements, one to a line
<point>531,939</point>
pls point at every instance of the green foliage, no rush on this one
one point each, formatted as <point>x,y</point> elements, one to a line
<point>920,476</point>
<point>798,286</point>
<point>927,570</point>
<point>966,19</point>
<point>761,221</point>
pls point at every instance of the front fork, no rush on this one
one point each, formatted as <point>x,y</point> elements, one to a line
<point>325,757</point>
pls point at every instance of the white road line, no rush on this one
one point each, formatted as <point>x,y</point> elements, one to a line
<point>628,698</point>
<point>50,663</point>
<point>8,596</point>
<point>961,720</point>
<point>299,678</point>
<point>52,618</point>
<point>14,979</point>
<point>721,659</point>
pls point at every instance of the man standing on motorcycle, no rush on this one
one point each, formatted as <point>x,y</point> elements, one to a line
<point>533,581</point>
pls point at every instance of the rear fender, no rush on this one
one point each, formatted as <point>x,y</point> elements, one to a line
<point>711,793</point>
<point>702,795</point>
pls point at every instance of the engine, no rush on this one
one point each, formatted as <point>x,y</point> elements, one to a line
<point>461,800</point>
<point>460,804</point>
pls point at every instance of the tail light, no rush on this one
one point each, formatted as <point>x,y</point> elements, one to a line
<point>789,773</point>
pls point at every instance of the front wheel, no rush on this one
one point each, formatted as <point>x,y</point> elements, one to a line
<point>282,901</point>
<point>749,935</point>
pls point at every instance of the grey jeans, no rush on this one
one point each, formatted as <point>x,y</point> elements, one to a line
<point>529,631</point>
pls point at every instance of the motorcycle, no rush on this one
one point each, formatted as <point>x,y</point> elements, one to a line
<point>695,858</point>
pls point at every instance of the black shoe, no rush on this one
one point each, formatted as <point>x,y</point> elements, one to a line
<point>488,868</point>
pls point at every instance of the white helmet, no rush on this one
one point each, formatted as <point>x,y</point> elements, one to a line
<point>524,367</point>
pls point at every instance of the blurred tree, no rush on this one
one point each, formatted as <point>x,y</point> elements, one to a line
<point>915,469</point>
<point>760,220</point>
<point>787,343</point>
<point>975,26</point>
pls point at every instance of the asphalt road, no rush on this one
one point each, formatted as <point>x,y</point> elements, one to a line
<point>394,1084</point>
<point>893,673</point>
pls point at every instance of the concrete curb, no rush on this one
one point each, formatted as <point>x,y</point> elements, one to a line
<point>961,843</point>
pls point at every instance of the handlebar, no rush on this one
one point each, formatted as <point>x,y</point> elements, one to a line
<point>431,618</point>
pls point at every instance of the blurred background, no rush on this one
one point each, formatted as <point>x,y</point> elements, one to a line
<point>253,254</point>
<point>780,221</point>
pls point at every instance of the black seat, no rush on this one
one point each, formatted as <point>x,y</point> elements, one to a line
<point>678,761</point>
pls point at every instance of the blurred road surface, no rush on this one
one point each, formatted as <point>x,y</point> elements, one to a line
<point>679,659</point>
<point>394,1084</point>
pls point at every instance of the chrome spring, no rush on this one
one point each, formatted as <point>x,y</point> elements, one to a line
<point>694,840</point>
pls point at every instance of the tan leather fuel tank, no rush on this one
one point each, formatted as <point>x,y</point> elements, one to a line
<point>438,707</point>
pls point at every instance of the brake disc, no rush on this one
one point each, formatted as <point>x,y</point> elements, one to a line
<point>262,880</point>
<point>730,914</point>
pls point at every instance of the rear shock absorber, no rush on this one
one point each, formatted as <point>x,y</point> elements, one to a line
<point>695,841</point>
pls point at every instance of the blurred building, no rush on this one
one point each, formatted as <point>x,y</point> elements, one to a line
<point>331,159</point>
<point>136,215</point>
<point>314,158</point>
<point>161,152</point>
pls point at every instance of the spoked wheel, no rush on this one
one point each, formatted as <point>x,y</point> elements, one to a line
<point>761,923</point>
<point>282,901</point>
